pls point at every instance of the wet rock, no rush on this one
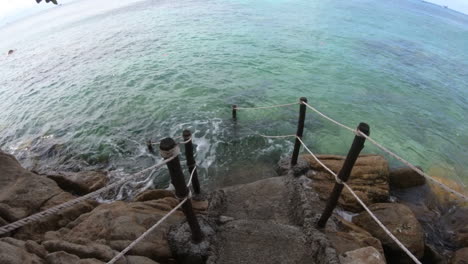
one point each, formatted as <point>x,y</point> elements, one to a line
<point>13,251</point>
<point>403,178</point>
<point>369,179</point>
<point>80,183</point>
<point>460,256</point>
<point>284,166</point>
<point>154,195</point>
<point>456,226</point>
<point>367,255</point>
<point>401,222</point>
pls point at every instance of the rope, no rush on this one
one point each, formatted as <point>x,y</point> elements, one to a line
<point>35,217</point>
<point>338,180</point>
<point>263,107</point>
<point>173,152</point>
<point>136,241</point>
<point>407,163</point>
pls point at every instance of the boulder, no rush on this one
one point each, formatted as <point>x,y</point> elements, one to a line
<point>61,257</point>
<point>403,178</point>
<point>367,255</point>
<point>90,250</point>
<point>80,183</point>
<point>22,193</point>
<point>117,224</point>
<point>460,256</point>
<point>350,237</point>
<point>399,220</point>
<point>369,179</point>
<point>13,251</point>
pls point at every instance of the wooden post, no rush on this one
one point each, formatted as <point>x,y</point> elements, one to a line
<point>300,131</point>
<point>234,112</point>
<point>191,161</point>
<point>178,180</point>
<point>353,154</point>
<point>149,144</point>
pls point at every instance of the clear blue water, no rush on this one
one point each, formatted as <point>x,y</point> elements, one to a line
<point>90,82</point>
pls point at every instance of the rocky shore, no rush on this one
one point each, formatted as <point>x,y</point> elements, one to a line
<point>267,221</point>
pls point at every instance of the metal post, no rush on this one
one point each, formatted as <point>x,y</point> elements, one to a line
<point>353,154</point>
<point>191,161</point>
<point>149,144</point>
<point>234,112</point>
<point>300,131</point>
<point>168,147</point>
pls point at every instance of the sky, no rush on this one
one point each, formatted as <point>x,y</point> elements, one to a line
<point>13,9</point>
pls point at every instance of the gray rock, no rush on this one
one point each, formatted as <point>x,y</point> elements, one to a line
<point>12,251</point>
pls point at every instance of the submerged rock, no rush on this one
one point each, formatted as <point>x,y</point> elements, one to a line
<point>402,223</point>
<point>369,179</point>
<point>403,178</point>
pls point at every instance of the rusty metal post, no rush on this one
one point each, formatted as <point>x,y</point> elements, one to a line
<point>168,147</point>
<point>300,131</point>
<point>187,135</point>
<point>353,154</point>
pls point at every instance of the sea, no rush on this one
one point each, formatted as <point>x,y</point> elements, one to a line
<point>90,82</point>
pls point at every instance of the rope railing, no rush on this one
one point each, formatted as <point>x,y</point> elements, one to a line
<point>374,142</point>
<point>159,222</point>
<point>386,150</point>
<point>53,210</point>
<point>339,181</point>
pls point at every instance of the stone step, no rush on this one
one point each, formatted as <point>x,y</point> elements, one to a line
<point>261,241</point>
<point>266,199</point>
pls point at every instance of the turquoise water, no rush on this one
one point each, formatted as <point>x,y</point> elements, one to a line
<point>88,85</point>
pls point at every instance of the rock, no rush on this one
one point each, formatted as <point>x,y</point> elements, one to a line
<point>10,52</point>
<point>405,178</point>
<point>154,195</point>
<point>55,221</point>
<point>351,237</point>
<point>13,251</point>
<point>460,256</point>
<point>200,205</point>
<point>82,182</point>
<point>401,222</point>
<point>367,255</point>
<point>61,257</point>
<point>117,224</point>
<point>455,226</point>
<point>139,260</point>
<point>22,193</point>
<point>90,250</point>
<point>369,179</point>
